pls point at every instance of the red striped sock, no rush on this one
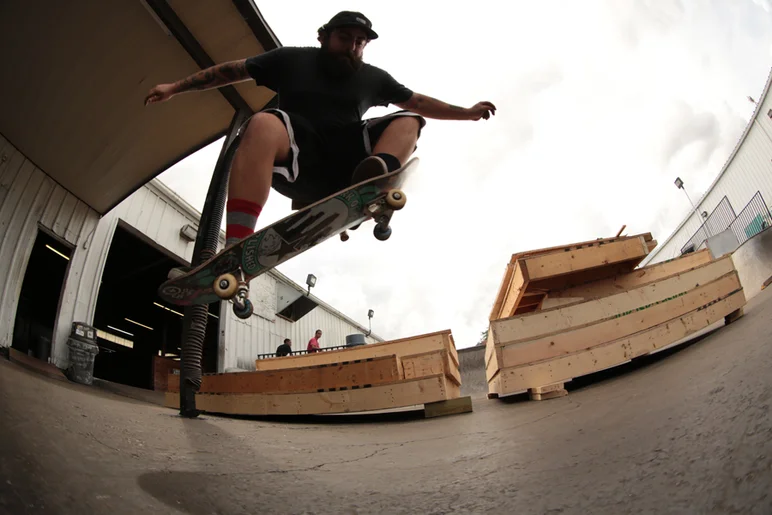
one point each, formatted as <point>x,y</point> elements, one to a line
<point>240,219</point>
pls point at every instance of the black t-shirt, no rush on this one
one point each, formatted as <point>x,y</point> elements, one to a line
<point>283,350</point>
<point>294,73</point>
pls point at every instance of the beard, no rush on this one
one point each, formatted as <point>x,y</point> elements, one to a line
<point>338,65</point>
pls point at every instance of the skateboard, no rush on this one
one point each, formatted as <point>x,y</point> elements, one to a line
<point>226,276</point>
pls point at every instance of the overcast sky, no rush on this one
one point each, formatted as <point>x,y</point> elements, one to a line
<point>601,105</point>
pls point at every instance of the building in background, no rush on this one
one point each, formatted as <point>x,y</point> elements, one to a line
<point>104,271</point>
<point>86,233</point>
<point>736,205</point>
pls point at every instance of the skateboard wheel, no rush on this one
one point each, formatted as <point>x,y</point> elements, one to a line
<point>225,286</point>
<point>244,311</point>
<point>382,234</point>
<point>396,199</point>
<point>344,236</point>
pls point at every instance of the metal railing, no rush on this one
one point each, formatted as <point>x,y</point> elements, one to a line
<point>299,352</point>
<point>754,218</point>
<point>718,221</point>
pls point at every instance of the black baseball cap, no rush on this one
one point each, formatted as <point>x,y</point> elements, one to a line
<point>351,19</point>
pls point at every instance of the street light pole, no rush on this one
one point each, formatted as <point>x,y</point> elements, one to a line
<point>680,185</point>
<point>370,314</point>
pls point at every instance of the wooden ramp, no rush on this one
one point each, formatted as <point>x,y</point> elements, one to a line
<point>570,311</point>
<point>422,370</point>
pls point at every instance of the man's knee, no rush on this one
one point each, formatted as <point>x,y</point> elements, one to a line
<point>264,125</point>
<point>407,125</point>
<point>267,128</point>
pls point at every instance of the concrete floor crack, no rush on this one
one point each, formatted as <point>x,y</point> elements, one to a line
<point>344,462</point>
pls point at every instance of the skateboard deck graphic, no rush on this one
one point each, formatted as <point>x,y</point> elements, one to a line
<point>264,250</point>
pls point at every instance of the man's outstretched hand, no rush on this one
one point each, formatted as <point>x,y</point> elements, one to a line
<point>482,110</point>
<point>160,93</point>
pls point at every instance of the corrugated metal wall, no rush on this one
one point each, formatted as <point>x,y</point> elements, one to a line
<point>145,211</point>
<point>749,171</point>
<point>28,197</point>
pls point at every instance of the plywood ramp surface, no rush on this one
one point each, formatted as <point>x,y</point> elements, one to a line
<point>409,392</point>
<point>609,354</point>
<point>359,373</point>
<point>615,327</point>
<point>559,319</point>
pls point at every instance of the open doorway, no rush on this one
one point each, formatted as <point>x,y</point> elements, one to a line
<point>41,291</point>
<point>134,326</point>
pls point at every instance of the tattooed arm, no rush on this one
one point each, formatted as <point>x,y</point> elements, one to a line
<point>214,77</point>
<point>433,108</point>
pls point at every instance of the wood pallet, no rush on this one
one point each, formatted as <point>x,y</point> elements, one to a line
<point>582,327</point>
<point>422,370</point>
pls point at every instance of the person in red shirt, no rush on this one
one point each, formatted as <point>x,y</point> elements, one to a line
<point>313,343</point>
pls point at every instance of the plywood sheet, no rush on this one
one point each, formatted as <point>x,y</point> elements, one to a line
<point>624,282</point>
<point>558,319</point>
<point>564,368</point>
<point>351,374</point>
<point>405,393</point>
<point>618,326</point>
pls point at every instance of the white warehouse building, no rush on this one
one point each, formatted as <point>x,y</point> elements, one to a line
<point>87,232</point>
<point>62,264</point>
<point>736,205</point>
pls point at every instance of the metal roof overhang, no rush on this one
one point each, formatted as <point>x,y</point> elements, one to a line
<point>76,75</point>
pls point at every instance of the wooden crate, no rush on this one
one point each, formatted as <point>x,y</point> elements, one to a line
<point>596,323</point>
<point>395,374</point>
<point>530,275</point>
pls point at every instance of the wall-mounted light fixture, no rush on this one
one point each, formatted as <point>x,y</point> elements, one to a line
<point>310,282</point>
<point>188,232</point>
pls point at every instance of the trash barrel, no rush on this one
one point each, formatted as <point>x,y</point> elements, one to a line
<point>83,349</point>
<point>352,340</point>
<point>43,348</point>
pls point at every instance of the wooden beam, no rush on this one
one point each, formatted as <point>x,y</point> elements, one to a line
<point>254,18</point>
<point>191,45</point>
<point>449,407</point>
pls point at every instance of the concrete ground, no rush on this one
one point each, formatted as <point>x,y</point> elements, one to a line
<point>687,432</point>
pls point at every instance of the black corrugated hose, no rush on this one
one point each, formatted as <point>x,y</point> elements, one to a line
<point>194,329</point>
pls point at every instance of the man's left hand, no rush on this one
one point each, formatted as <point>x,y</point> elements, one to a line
<point>482,110</point>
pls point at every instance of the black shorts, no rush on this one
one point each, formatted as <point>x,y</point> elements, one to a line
<point>322,160</point>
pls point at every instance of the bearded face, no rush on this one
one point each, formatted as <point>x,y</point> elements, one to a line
<point>338,63</point>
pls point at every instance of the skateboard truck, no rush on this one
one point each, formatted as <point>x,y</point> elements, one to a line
<point>227,286</point>
<point>381,211</point>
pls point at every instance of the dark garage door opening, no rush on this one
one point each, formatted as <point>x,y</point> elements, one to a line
<point>133,324</point>
<point>40,294</point>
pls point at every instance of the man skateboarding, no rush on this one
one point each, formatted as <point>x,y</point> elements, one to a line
<point>315,143</point>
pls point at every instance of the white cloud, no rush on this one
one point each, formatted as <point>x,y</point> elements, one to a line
<point>601,105</point>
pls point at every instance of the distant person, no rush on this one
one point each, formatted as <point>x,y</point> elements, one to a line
<point>313,343</point>
<point>285,349</point>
